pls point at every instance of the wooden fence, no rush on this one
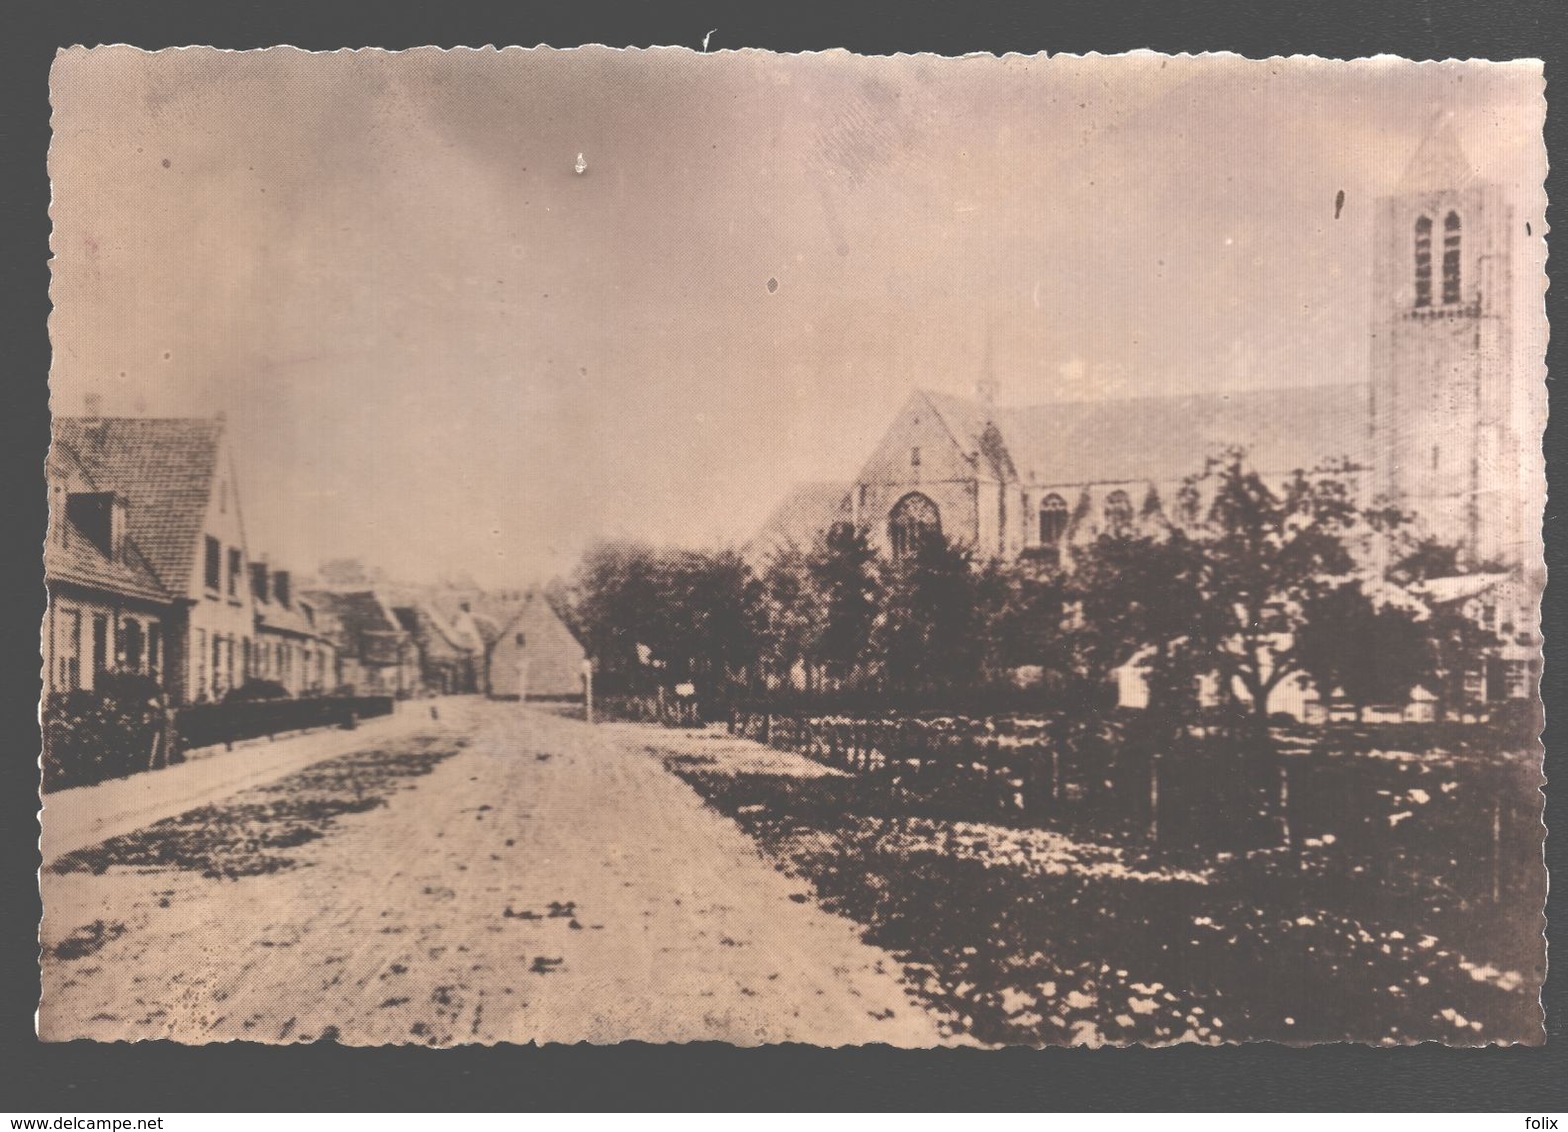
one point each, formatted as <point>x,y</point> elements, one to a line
<point>202,725</point>
<point>1421,817</point>
<point>89,739</point>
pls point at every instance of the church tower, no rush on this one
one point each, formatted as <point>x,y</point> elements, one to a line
<point>1441,380</point>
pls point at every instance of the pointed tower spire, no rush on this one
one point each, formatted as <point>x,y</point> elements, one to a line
<point>986,386</point>
<point>1440,163</point>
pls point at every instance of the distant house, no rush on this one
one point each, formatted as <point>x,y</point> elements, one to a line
<point>475,619</point>
<point>1502,604</point>
<point>107,608</point>
<point>376,655</point>
<point>291,647</point>
<point>1293,696</point>
<point>165,508</point>
<point>447,663</point>
<point>475,633</point>
<point>536,656</point>
<point>1505,604</point>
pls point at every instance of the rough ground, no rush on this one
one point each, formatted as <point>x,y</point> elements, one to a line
<point>1023,935</point>
<point>513,876</point>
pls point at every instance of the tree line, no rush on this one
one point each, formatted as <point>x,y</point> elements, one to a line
<point>1251,585</point>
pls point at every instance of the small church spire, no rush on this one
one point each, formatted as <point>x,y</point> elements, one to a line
<point>986,387</point>
<point>1440,163</point>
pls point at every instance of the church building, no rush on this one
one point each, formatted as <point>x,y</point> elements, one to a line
<point>1433,431</point>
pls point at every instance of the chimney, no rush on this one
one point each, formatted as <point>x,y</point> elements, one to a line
<point>93,403</point>
<point>280,586</point>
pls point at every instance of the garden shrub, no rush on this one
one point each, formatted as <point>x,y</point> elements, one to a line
<point>257,689</point>
<point>105,733</point>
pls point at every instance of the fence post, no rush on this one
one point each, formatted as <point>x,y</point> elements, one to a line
<point>1497,847</point>
<point>1284,800</point>
<point>1154,797</point>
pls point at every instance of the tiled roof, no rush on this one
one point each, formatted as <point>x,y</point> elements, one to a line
<point>365,627</point>
<point>1166,438</point>
<point>76,559</point>
<point>467,635</point>
<point>383,648</point>
<point>432,636</point>
<point>554,656</point>
<point>281,619</point>
<point>489,610</point>
<point>164,467</point>
<point>70,556</point>
<point>488,627</point>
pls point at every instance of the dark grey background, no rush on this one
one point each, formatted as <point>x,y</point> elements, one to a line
<point>152,1077</point>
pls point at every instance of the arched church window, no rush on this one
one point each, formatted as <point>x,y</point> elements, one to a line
<point>1053,520</point>
<point>1118,513</point>
<point>1424,261</point>
<point>913,520</point>
<point>1451,258</point>
<point>1053,527</point>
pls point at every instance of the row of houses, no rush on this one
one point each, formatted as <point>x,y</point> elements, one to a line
<point>149,571</point>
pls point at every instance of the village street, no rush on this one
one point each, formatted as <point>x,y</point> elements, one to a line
<point>498,874</point>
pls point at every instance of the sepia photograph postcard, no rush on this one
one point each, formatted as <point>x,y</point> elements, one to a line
<point>671,545</point>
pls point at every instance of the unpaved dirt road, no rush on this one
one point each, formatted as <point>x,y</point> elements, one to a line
<point>512,876</point>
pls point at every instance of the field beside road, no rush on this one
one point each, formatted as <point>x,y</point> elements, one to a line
<point>1026,935</point>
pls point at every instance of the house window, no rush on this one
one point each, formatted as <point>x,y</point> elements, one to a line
<point>213,570</point>
<point>1451,258</point>
<point>912,521</point>
<point>100,644</point>
<point>134,646</point>
<point>71,652</point>
<point>236,568</point>
<point>1516,679</point>
<point>200,655</point>
<point>914,457</point>
<point>1475,685</point>
<point>1423,250</point>
<point>155,650</point>
<point>522,640</point>
<point>1118,513</point>
<point>218,683</point>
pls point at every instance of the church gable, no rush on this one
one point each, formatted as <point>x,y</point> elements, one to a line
<point>918,447</point>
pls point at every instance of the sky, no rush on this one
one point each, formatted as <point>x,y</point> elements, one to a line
<point>442,349</point>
